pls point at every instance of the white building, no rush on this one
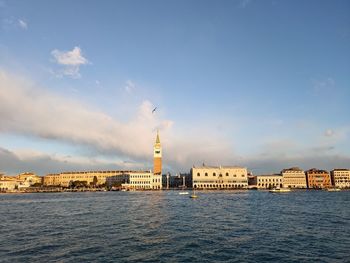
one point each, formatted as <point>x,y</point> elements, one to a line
<point>208,177</point>
<point>294,178</point>
<point>8,185</point>
<point>268,181</point>
<point>136,180</point>
<point>341,178</point>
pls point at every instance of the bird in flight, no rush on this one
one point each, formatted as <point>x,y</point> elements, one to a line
<point>154,110</point>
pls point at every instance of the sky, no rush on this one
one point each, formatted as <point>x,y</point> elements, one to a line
<point>259,84</point>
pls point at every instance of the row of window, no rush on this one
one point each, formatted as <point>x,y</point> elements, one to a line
<point>220,175</point>
<point>269,185</point>
<point>219,186</point>
<point>140,176</point>
<point>139,182</point>
<point>156,180</point>
<point>270,180</point>
<point>220,181</point>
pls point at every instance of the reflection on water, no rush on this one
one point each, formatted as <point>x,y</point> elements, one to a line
<point>226,226</point>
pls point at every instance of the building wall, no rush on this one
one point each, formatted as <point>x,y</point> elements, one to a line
<point>8,185</point>
<point>219,177</point>
<point>142,180</point>
<point>294,178</point>
<point>341,178</point>
<point>64,179</point>
<point>269,181</point>
<point>318,179</point>
<point>31,178</point>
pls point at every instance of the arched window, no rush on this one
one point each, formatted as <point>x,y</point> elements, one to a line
<point>198,174</point>
<point>206,174</point>
<point>226,174</point>
<point>214,174</point>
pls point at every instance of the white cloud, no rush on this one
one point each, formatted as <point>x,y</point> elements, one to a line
<point>22,24</point>
<point>71,60</point>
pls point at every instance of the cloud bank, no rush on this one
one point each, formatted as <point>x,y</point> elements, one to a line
<point>35,112</point>
<point>32,111</point>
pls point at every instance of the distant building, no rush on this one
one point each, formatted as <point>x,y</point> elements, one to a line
<point>52,180</point>
<point>30,178</point>
<point>341,178</point>
<point>18,182</point>
<point>294,178</point>
<point>136,180</point>
<point>267,181</point>
<point>318,179</point>
<point>207,177</point>
<point>8,185</point>
<point>89,177</point>
<point>157,156</point>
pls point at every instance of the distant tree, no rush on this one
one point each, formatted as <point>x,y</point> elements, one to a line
<point>71,184</point>
<point>94,181</point>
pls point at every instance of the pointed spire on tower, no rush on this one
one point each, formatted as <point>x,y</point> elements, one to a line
<point>157,140</point>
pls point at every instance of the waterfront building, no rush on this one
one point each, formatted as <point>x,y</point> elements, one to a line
<point>157,156</point>
<point>318,179</point>
<point>51,180</point>
<point>7,184</point>
<point>30,178</point>
<point>210,177</point>
<point>136,180</point>
<point>88,177</point>
<point>18,182</point>
<point>341,178</point>
<point>294,178</point>
<point>268,181</point>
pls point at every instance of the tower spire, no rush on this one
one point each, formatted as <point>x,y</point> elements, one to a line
<point>157,139</point>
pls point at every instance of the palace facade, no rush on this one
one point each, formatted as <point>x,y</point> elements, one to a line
<point>210,177</point>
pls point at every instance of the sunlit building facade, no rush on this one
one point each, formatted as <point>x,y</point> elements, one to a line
<point>268,181</point>
<point>66,178</point>
<point>294,178</point>
<point>341,178</point>
<point>210,177</point>
<point>318,179</point>
<point>136,180</point>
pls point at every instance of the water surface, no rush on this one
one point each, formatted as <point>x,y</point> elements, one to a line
<point>223,226</point>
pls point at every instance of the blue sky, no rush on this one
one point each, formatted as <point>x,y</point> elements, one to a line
<point>262,84</point>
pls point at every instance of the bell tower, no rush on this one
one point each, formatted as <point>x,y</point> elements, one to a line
<point>157,156</point>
